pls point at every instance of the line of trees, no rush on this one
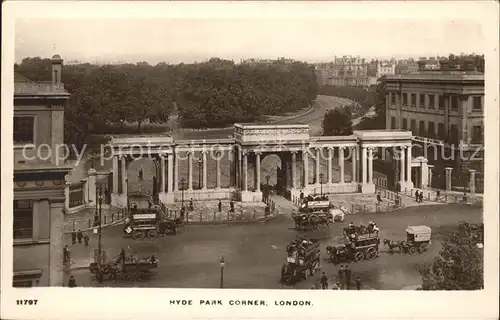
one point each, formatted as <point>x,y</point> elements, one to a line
<point>214,93</point>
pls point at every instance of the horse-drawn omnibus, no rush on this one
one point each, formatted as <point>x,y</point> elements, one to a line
<point>359,243</point>
<point>303,260</point>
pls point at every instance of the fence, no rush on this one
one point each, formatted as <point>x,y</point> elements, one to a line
<point>236,214</point>
<point>89,223</point>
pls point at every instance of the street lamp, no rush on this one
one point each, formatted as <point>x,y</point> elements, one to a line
<point>222,263</point>
<point>321,183</point>
<point>99,244</point>
<point>182,192</point>
<point>199,173</point>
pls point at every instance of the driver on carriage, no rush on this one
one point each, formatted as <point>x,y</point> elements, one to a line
<point>373,227</point>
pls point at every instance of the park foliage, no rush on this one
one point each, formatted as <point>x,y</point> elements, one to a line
<point>215,93</point>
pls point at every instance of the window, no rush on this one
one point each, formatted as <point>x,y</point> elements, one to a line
<point>421,128</point>
<point>477,134</point>
<point>413,126</point>
<point>477,104</point>
<point>405,99</point>
<point>413,100</point>
<point>454,102</point>
<point>24,129</point>
<point>393,98</point>
<point>453,134</point>
<point>431,101</point>
<point>393,123</point>
<point>405,123</point>
<point>422,100</point>
<point>23,219</point>
<point>431,132</point>
<point>442,102</point>
<point>441,133</point>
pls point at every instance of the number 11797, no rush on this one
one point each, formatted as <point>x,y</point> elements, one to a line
<point>26,302</point>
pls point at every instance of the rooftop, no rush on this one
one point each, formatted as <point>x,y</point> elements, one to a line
<point>436,75</point>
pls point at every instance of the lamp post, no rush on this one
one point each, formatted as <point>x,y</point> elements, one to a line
<point>321,183</point>
<point>128,202</point>
<point>222,263</point>
<point>199,173</point>
<point>99,243</point>
<point>182,192</point>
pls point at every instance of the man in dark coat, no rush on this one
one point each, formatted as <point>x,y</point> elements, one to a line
<point>65,254</point>
<point>191,206</point>
<point>72,282</point>
<point>324,281</point>
<point>86,240</point>
<point>348,275</point>
<point>79,236</point>
<point>358,283</point>
<point>220,206</point>
<point>231,206</point>
<point>73,236</point>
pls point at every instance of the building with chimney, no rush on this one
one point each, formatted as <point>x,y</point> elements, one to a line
<point>385,68</point>
<point>39,179</point>
<point>350,71</point>
<point>444,106</point>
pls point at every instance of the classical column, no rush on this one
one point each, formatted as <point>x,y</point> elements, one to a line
<point>92,185</point>
<point>330,169</point>
<point>115,174</point>
<point>162,170</point>
<point>370,165</point>
<point>170,173</point>
<point>190,171</point>
<point>408,164</point>
<point>429,172</point>
<point>448,178</point>
<point>124,175</point>
<point>294,165</point>
<point>317,166</point>
<point>472,183</point>
<point>305,160</point>
<point>257,171</point>
<point>245,174</point>
<point>217,170</point>
<point>204,160</point>
<point>402,160</point>
<point>354,175</point>
<point>66,194</point>
<point>341,164</point>
<point>363,164</point>
<point>176,171</point>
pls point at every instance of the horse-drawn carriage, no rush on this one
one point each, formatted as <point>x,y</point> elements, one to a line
<point>303,260</point>
<point>360,243</point>
<point>124,268</point>
<point>418,238</point>
<point>148,220</point>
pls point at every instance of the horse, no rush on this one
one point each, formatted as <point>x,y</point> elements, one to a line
<point>400,245</point>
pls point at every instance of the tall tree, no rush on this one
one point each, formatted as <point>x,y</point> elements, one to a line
<point>338,122</point>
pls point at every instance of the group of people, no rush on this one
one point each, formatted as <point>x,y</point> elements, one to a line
<point>344,280</point>
<point>80,236</point>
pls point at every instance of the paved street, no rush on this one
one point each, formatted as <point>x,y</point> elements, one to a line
<point>254,252</point>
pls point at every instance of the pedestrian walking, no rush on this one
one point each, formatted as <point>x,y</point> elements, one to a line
<point>358,283</point>
<point>341,274</point>
<point>65,254</point>
<point>348,274</point>
<point>417,196</point>
<point>220,206</point>
<point>72,282</point>
<point>73,236</point>
<point>379,198</point>
<point>191,206</point>
<point>79,235</point>
<point>324,281</point>
<point>421,197</point>
<point>141,174</point>
<point>86,240</point>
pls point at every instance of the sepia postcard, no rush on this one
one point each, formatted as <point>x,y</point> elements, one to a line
<point>250,160</point>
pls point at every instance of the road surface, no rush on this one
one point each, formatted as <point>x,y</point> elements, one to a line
<point>254,252</point>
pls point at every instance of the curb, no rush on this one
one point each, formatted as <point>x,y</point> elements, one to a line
<point>103,226</point>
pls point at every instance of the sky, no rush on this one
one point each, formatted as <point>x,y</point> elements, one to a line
<point>187,40</point>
